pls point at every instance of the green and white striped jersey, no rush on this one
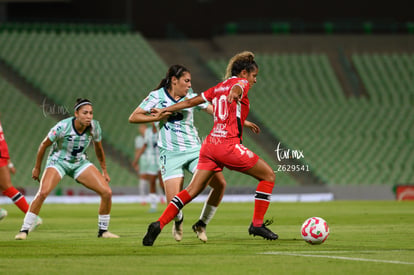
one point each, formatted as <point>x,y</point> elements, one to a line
<point>177,133</point>
<point>68,144</point>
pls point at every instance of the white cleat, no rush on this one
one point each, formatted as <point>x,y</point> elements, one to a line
<point>3,213</point>
<point>200,229</point>
<point>21,236</point>
<point>37,222</point>
<point>177,230</point>
<point>201,234</point>
<point>109,235</point>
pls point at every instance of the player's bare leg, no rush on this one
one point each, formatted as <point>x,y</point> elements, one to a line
<point>49,181</point>
<point>93,179</point>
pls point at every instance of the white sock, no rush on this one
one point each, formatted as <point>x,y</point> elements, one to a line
<point>208,213</point>
<point>143,183</point>
<point>179,216</point>
<point>103,222</point>
<point>153,200</point>
<point>29,220</point>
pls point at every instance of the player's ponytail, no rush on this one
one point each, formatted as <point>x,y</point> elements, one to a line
<point>174,70</point>
<point>239,62</point>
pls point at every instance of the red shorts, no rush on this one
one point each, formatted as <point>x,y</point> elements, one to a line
<point>4,151</point>
<point>234,156</point>
<point>3,162</point>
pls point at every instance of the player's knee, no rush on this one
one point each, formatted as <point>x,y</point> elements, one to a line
<point>270,175</point>
<point>222,184</point>
<point>218,183</point>
<point>106,193</point>
<point>42,194</point>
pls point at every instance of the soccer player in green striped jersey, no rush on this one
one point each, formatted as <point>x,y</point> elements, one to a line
<point>179,144</point>
<point>69,139</point>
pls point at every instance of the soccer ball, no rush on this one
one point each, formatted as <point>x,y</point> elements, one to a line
<point>315,230</point>
<point>3,213</point>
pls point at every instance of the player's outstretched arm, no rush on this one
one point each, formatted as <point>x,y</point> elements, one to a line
<point>184,104</point>
<point>139,115</point>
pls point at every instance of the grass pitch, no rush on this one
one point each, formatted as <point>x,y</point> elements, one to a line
<point>366,238</point>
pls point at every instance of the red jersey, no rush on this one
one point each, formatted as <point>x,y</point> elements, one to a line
<point>4,150</point>
<point>228,117</point>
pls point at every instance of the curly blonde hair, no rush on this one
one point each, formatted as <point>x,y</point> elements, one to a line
<point>241,61</point>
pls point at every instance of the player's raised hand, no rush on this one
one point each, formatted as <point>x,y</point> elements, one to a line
<point>36,173</point>
<point>160,113</point>
<point>235,94</point>
<point>253,126</point>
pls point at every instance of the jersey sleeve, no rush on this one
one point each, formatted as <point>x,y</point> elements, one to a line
<point>201,106</point>
<point>96,131</point>
<point>244,85</point>
<point>150,102</point>
<point>208,95</point>
<point>56,132</point>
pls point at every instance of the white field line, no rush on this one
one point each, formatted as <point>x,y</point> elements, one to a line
<point>336,257</point>
<point>337,251</point>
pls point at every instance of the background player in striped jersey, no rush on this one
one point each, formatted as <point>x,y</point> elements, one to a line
<point>7,167</point>
<point>223,147</point>
<point>69,139</point>
<point>146,164</point>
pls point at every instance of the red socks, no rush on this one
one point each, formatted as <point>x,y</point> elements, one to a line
<point>261,204</point>
<point>174,207</point>
<point>262,201</point>
<point>18,199</point>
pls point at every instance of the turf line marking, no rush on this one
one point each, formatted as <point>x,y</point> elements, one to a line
<point>337,257</point>
<point>338,251</point>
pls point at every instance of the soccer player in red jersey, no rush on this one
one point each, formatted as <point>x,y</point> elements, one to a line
<point>6,187</point>
<point>223,146</point>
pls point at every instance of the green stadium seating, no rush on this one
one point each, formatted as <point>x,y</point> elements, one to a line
<point>115,71</point>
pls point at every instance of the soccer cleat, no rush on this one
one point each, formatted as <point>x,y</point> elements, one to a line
<point>263,231</point>
<point>37,222</point>
<point>3,213</point>
<point>22,235</point>
<point>154,229</point>
<point>177,230</point>
<point>107,235</point>
<point>200,229</point>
